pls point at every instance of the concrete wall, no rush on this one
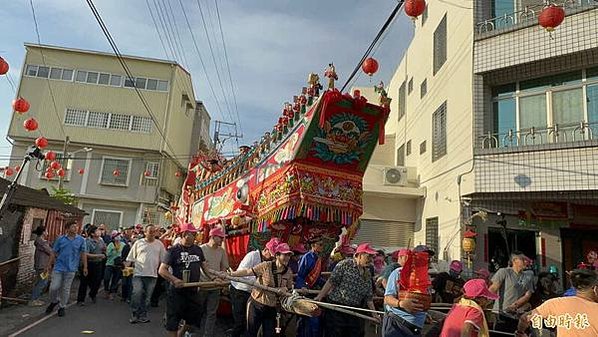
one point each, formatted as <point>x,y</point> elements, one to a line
<point>130,211</point>
<point>26,272</point>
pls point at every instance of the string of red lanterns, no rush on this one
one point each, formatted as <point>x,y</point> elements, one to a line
<point>3,66</point>
<point>30,124</point>
<point>551,17</point>
<point>370,66</point>
<point>20,105</point>
<point>414,8</point>
<point>41,142</point>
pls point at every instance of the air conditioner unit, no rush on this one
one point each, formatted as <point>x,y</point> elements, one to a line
<point>394,176</point>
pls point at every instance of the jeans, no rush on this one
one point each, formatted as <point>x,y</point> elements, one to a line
<point>209,299</point>
<point>111,277</point>
<point>93,280</point>
<point>308,326</point>
<point>338,324</point>
<point>60,287</point>
<point>39,285</point>
<point>238,299</point>
<point>259,315</point>
<point>158,291</point>
<point>143,286</point>
<point>392,326</point>
<point>127,287</point>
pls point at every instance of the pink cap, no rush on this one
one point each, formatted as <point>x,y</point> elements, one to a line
<point>401,252</point>
<point>271,245</point>
<point>483,272</point>
<point>478,288</point>
<point>187,227</point>
<point>365,248</point>
<point>299,248</point>
<point>283,248</point>
<point>456,266</point>
<point>217,231</point>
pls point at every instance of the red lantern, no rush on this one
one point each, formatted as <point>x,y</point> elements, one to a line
<point>18,168</point>
<point>551,17</point>
<point>50,155</point>
<point>81,171</point>
<point>54,165</point>
<point>3,66</point>
<point>116,173</point>
<point>30,124</point>
<point>20,105</point>
<point>178,174</point>
<point>8,171</point>
<point>414,8</point>
<point>147,173</point>
<point>41,142</point>
<point>370,66</point>
<point>49,175</point>
<point>61,172</point>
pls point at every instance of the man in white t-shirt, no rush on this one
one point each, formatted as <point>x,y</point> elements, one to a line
<point>146,255</point>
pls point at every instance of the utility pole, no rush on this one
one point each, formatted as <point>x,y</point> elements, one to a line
<point>219,134</point>
<point>64,161</point>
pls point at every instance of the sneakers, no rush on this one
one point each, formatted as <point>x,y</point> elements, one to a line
<point>80,304</point>
<point>60,312</point>
<point>51,307</point>
<point>143,320</point>
<point>133,320</point>
<point>36,303</point>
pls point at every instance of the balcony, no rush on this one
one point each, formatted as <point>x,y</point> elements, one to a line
<point>581,134</point>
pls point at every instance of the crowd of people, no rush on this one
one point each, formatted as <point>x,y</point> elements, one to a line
<point>145,263</point>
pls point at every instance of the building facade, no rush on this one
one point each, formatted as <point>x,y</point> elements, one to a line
<point>123,154</point>
<point>493,120</point>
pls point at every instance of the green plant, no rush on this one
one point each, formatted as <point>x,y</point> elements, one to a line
<point>64,195</point>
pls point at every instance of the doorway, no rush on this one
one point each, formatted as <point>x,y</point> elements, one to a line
<point>502,242</point>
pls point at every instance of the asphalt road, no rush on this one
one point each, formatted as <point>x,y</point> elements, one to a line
<point>105,318</point>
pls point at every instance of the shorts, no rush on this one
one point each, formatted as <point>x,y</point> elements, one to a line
<point>182,304</point>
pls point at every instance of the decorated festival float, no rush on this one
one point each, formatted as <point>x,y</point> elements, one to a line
<point>302,181</point>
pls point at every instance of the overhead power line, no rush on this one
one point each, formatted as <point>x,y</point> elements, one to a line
<point>158,30</point>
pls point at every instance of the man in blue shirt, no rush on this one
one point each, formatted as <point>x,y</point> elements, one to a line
<point>69,251</point>
<point>403,318</point>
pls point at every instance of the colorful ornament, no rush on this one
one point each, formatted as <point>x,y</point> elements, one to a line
<point>20,105</point>
<point>551,17</point>
<point>30,124</point>
<point>49,175</point>
<point>370,66</point>
<point>54,165</point>
<point>116,173</point>
<point>81,171</point>
<point>3,66</point>
<point>18,168</point>
<point>147,173</point>
<point>414,8</point>
<point>50,155</point>
<point>8,171</point>
<point>61,172</point>
<point>41,142</point>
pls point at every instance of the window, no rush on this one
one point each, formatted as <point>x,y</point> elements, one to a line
<point>425,15</point>
<point>153,168</point>
<point>567,107</point>
<point>67,74</point>
<point>129,82</point>
<point>423,88</point>
<point>81,76</point>
<point>140,82</point>
<point>401,156</point>
<point>402,98</point>
<point>532,112</point>
<point>440,45</point>
<point>119,122</point>
<point>592,98</point>
<point>56,73</point>
<point>410,86</point>
<point>31,70</point>
<point>115,80</point>
<point>109,165</point>
<point>92,78</point>
<point>504,110</point>
<point>439,132</point>
<point>142,124</point>
<point>422,147</point>
<point>162,85</point>
<point>43,72</point>
<point>112,219</point>
<point>75,117</point>
<point>432,236</point>
<point>408,149</point>
<point>98,120</point>
<point>104,79</point>
<point>152,84</point>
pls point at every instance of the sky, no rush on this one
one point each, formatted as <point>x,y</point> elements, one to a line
<point>272,45</point>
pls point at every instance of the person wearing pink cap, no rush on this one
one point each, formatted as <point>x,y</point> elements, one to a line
<point>349,284</point>
<point>263,305</point>
<point>466,318</point>
<point>217,259</point>
<point>240,292</point>
<point>399,258</point>
<point>449,286</point>
<point>186,260</point>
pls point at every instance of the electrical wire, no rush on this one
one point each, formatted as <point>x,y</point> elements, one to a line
<point>373,44</point>
<point>161,17</point>
<point>11,82</point>
<point>158,30</point>
<point>175,32</point>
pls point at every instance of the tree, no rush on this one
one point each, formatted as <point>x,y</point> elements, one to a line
<point>64,195</point>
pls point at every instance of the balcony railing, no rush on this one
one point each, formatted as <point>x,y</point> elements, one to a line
<point>555,134</point>
<point>528,15</point>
